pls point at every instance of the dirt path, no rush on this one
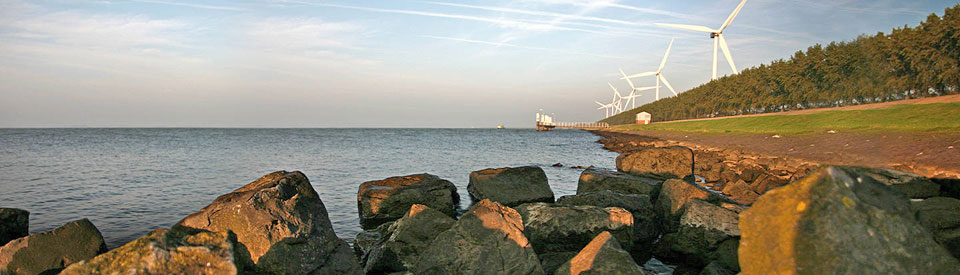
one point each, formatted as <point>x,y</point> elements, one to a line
<point>926,100</point>
<point>926,154</point>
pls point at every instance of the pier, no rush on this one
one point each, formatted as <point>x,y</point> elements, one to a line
<point>545,123</point>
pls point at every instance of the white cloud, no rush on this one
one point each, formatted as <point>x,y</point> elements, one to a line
<point>301,34</point>
<point>77,29</point>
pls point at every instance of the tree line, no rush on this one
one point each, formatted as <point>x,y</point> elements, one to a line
<point>909,62</point>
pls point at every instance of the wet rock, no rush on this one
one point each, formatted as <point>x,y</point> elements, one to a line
<point>677,193</point>
<point>602,255</point>
<point>389,199</point>
<point>593,180</point>
<point>281,223</point>
<point>405,239</point>
<point>673,160</point>
<point>487,239</point>
<point>510,186</point>
<point>557,228</point>
<point>941,215</point>
<point>645,223</point>
<point>703,229</point>
<point>837,220</point>
<point>740,192</point>
<point>557,164</point>
<point>914,186</point>
<point>169,252</point>
<point>14,223</point>
<point>51,251</point>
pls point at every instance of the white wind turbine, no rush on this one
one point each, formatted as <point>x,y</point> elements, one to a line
<point>632,98</point>
<point>718,35</point>
<point>617,99</point>
<point>605,107</point>
<point>658,73</point>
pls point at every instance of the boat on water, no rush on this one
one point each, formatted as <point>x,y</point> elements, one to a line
<point>500,127</point>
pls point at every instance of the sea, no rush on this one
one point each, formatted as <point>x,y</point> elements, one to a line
<point>129,181</point>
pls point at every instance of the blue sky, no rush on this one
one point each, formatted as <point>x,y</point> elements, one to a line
<point>312,63</point>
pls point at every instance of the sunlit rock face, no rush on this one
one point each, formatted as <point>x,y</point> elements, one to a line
<point>602,255</point>
<point>510,186</point>
<point>51,251</point>
<point>281,223</point>
<point>389,199</point>
<point>169,252</point>
<point>488,239</point>
<point>838,221</point>
<point>675,161</point>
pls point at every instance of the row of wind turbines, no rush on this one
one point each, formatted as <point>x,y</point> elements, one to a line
<point>619,102</point>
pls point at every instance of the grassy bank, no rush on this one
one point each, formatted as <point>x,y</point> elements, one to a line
<point>937,117</point>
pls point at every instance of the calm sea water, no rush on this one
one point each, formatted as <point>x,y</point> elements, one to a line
<point>130,181</point>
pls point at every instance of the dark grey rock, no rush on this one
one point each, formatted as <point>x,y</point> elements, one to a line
<point>399,249</point>
<point>838,221</point>
<point>914,186</point>
<point>281,223</point>
<point>602,255</point>
<point>557,228</point>
<point>510,186</point>
<point>675,194</point>
<point>703,228</point>
<point>14,223</point>
<point>645,223</point>
<point>49,252</point>
<point>389,199</point>
<point>595,180</point>
<point>941,215</point>
<point>488,239</point>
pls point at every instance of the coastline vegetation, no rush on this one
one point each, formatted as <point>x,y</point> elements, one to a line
<point>934,117</point>
<point>909,62</point>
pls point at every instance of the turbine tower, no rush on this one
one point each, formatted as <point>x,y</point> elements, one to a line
<point>658,73</point>
<point>617,99</point>
<point>717,35</point>
<point>605,107</point>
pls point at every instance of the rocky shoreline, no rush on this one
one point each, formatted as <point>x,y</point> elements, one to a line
<point>667,208</point>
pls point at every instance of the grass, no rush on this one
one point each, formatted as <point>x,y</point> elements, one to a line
<point>935,117</point>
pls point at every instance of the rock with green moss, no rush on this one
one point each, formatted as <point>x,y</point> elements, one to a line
<point>51,251</point>
<point>14,223</point>
<point>838,221</point>
<point>281,223</point>
<point>404,240</point>
<point>169,252</point>
<point>488,239</point>
<point>388,199</point>
<point>602,255</point>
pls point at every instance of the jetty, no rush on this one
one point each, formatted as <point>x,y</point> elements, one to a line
<point>545,123</point>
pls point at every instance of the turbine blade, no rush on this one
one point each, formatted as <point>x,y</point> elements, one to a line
<point>641,75</point>
<point>732,15</point>
<point>646,88</point>
<point>601,104</point>
<point>687,27</point>
<point>664,61</point>
<point>726,52</point>
<point>664,79</point>
<point>628,79</point>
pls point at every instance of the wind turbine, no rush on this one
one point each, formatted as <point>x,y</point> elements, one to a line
<point>605,107</point>
<point>617,99</point>
<point>658,73</point>
<point>632,98</point>
<point>718,35</point>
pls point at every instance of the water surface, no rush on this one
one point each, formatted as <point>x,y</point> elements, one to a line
<point>130,181</point>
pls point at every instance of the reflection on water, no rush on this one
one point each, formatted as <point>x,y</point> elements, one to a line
<point>130,181</point>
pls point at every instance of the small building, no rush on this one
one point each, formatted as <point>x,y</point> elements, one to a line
<point>643,118</point>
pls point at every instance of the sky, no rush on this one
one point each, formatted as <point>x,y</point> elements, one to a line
<point>316,63</point>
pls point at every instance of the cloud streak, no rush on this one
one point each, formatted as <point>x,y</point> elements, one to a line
<point>505,44</point>
<point>191,5</point>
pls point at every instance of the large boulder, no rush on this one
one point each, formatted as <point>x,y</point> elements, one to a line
<point>51,251</point>
<point>389,199</point>
<point>912,185</point>
<point>14,223</point>
<point>281,223</point>
<point>510,186</point>
<point>595,179</point>
<point>740,192</point>
<point>404,240</point>
<point>677,193</point>
<point>674,160</point>
<point>558,228</point>
<point>601,256</point>
<point>487,239</point>
<point>837,220</point>
<point>645,223</point>
<point>169,252</point>
<point>706,233</point>
<point>941,215</point>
